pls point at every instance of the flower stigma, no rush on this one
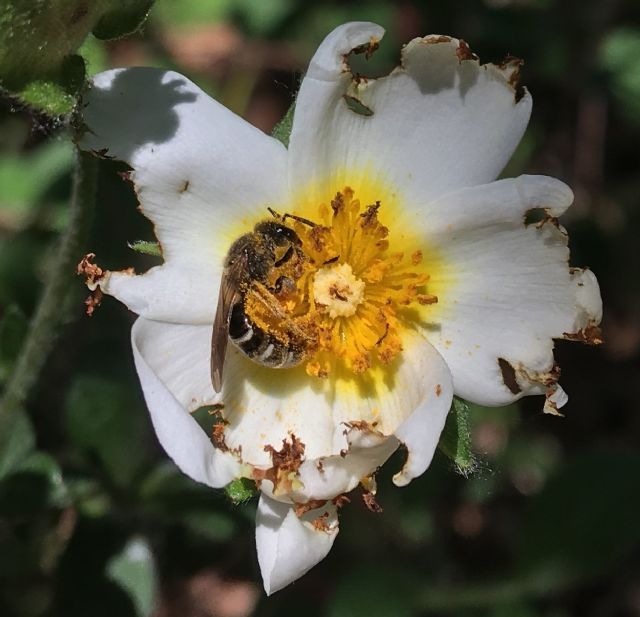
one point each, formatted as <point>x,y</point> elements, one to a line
<point>338,290</point>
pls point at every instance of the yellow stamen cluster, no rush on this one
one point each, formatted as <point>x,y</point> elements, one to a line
<point>354,289</point>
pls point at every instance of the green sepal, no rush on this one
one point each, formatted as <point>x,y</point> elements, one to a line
<point>56,95</point>
<point>282,130</point>
<point>147,248</point>
<point>455,441</point>
<point>241,490</point>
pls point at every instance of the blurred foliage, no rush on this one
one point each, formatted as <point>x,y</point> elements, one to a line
<point>38,39</point>
<point>95,519</point>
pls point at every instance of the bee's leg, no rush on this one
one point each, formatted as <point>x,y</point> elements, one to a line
<point>285,258</point>
<point>284,286</point>
<point>273,306</point>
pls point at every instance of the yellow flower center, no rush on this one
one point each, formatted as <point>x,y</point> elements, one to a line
<point>353,294</point>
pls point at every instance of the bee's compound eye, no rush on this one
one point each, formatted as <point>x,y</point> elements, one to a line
<point>290,235</point>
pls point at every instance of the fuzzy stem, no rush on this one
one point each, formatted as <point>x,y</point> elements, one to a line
<point>49,315</point>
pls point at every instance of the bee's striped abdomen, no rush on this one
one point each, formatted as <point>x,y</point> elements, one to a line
<point>258,345</point>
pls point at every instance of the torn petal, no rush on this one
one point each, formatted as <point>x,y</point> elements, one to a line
<point>288,545</point>
<point>437,123</point>
<point>171,293</point>
<point>365,449</point>
<point>199,170</point>
<point>164,358</point>
<point>420,432</point>
<point>507,291</point>
<point>556,398</point>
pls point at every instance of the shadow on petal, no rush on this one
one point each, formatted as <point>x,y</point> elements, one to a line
<point>130,108</point>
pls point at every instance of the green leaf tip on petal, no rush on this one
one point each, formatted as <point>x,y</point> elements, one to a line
<point>147,248</point>
<point>455,441</point>
<point>357,106</point>
<point>282,130</point>
<point>241,490</point>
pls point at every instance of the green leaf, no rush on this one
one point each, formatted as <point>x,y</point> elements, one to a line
<point>13,328</point>
<point>168,495</point>
<point>134,570</point>
<point>215,526</point>
<point>263,17</point>
<point>619,57</point>
<point>106,419</point>
<point>18,192</point>
<point>282,130</point>
<point>89,497</point>
<point>36,36</point>
<point>122,18</point>
<point>241,490</point>
<point>455,440</point>
<point>38,40</point>
<point>147,248</point>
<point>375,591</point>
<point>57,94</point>
<point>48,97</point>
<point>45,465</point>
<point>194,11</point>
<point>585,519</point>
<point>17,439</point>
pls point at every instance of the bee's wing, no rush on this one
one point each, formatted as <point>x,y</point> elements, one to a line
<point>229,294</point>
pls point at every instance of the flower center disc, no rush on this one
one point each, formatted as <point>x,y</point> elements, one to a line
<point>352,292</point>
<point>338,290</point>
<point>357,289</point>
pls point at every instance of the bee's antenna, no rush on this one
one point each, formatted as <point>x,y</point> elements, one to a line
<point>274,214</point>
<point>300,219</point>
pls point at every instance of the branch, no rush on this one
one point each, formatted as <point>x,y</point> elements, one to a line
<point>49,316</point>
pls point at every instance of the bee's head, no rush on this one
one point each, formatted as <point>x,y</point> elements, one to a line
<point>278,233</point>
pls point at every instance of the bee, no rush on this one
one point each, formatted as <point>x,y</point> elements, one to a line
<point>260,269</point>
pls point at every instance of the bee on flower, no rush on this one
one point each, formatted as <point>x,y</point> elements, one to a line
<point>362,277</point>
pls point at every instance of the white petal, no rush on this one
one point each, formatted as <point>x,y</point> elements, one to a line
<point>506,289</point>
<point>363,453</point>
<point>438,123</point>
<point>420,432</point>
<point>289,546</point>
<point>166,358</point>
<point>202,174</point>
<point>265,407</point>
<point>173,293</point>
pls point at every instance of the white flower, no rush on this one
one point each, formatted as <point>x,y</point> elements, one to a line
<point>427,279</point>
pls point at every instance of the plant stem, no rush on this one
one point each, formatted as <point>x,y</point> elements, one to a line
<point>49,314</point>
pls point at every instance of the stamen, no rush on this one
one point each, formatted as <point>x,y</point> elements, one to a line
<point>355,290</point>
